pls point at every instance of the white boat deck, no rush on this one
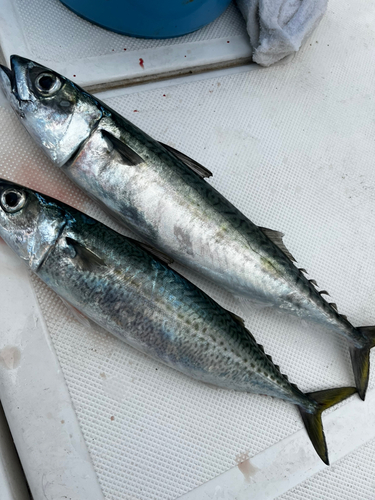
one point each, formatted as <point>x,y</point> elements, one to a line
<point>293,147</point>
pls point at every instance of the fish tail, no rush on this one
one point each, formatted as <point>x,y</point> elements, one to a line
<point>360,357</point>
<point>313,420</point>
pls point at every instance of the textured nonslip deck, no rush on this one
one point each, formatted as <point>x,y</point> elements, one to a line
<point>46,31</point>
<point>292,146</point>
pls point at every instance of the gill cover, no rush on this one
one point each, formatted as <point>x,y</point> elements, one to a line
<point>58,114</point>
<point>29,223</point>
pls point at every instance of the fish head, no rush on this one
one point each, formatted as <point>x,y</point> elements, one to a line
<point>29,222</point>
<point>57,113</point>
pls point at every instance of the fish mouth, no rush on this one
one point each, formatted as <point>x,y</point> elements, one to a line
<point>10,75</point>
<point>8,85</point>
<point>14,82</point>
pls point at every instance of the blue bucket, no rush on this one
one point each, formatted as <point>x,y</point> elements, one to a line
<point>149,18</point>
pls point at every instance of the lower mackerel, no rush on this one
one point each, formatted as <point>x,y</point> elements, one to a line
<point>125,288</point>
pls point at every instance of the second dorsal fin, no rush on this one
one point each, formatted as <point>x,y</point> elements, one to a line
<point>237,318</point>
<point>277,238</point>
<point>189,162</point>
<point>241,321</point>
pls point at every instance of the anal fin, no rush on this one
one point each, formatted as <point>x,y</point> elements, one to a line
<point>82,319</point>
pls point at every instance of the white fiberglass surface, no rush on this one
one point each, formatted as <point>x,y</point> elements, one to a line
<point>292,146</point>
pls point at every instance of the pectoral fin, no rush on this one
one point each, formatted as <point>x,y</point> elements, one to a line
<point>130,157</point>
<point>85,258</point>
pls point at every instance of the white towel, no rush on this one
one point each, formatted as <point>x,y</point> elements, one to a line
<point>277,28</point>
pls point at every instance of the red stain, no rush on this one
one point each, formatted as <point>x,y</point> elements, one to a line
<point>163,95</point>
<point>184,56</point>
<point>112,418</point>
<point>228,41</point>
<point>124,49</point>
<point>141,63</point>
<point>136,111</point>
<point>74,76</point>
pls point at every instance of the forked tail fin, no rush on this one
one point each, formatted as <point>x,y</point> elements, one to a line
<point>313,421</point>
<point>361,360</point>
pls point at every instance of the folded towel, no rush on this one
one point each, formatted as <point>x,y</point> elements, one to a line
<point>277,28</point>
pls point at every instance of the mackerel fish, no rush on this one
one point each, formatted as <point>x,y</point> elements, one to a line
<point>162,195</point>
<point>122,286</point>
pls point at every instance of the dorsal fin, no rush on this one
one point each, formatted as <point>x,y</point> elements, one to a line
<point>303,270</point>
<point>334,306</point>
<point>261,347</point>
<point>189,162</point>
<point>269,357</point>
<point>277,238</point>
<point>157,254</point>
<point>130,156</point>
<point>344,316</point>
<point>313,282</point>
<point>241,322</point>
<point>323,292</point>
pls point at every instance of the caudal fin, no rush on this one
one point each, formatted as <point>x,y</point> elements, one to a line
<point>313,421</point>
<point>361,360</point>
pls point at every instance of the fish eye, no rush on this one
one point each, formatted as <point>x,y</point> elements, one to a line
<point>12,200</point>
<point>47,83</point>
